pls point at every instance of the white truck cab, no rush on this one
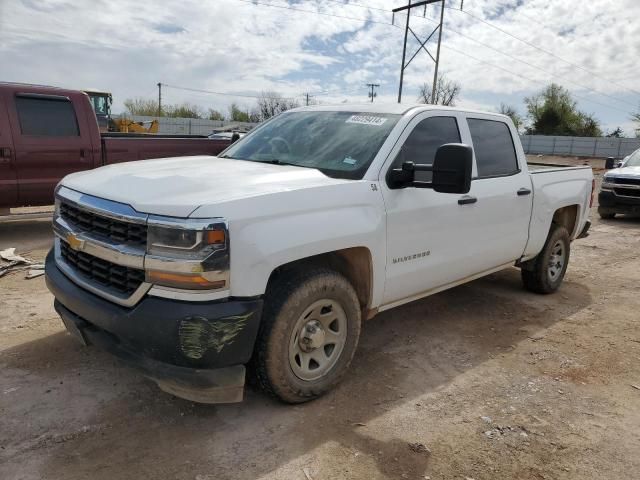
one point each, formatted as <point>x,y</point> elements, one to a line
<point>273,254</point>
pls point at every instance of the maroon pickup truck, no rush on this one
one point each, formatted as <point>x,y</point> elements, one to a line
<point>47,133</point>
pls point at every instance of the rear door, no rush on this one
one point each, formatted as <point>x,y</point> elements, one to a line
<point>501,191</point>
<point>51,139</point>
<point>8,179</point>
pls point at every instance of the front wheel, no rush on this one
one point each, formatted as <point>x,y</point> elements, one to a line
<point>309,333</point>
<point>606,214</point>
<point>545,273</point>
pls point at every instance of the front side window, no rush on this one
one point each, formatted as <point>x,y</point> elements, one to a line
<point>423,142</point>
<point>47,117</point>
<point>339,144</point>
<point>494,149</point>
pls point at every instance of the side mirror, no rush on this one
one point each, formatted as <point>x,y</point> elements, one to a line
<point>452,168</point>
<point>235,137</point>
<point>610,163</point>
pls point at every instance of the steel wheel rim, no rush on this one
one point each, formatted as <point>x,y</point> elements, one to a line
<point>317,339</point>
<point>556,261</point>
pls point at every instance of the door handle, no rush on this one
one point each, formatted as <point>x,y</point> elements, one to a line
<point>82,155</point>
<point>524,191</point>
<point>466,200</point>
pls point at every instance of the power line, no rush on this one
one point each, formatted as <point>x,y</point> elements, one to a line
<point>532,45</point>
<point>254,2</point>
<point>532,65</point>
<point>586,99</point>
<point>228,94</point>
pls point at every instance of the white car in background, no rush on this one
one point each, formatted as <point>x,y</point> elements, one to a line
<point>620,189</point>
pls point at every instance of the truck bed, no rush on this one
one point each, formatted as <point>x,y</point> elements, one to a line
<point>127,147</point>
<point>535,167</point>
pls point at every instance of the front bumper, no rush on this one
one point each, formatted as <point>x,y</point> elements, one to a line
<point>608,200</point>
<point>194,350</point>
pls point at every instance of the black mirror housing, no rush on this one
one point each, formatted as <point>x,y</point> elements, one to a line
<point>452,168</point>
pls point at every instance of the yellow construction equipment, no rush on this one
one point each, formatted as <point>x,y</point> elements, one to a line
<point>124,125</point>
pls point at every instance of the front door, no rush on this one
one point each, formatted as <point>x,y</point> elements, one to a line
<point>50,141</point>
<point>431,237</point>
<point>8,178</point>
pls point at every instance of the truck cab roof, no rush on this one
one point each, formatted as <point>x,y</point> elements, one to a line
<point>391,108</point>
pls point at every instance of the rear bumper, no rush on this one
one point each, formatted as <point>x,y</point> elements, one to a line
<point>194,350</point>
<point>608,200</point>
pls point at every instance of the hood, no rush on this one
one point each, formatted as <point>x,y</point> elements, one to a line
<point>624,172</point>
<point>177,186</point>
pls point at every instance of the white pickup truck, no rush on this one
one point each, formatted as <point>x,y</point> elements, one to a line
<point>273,254</point>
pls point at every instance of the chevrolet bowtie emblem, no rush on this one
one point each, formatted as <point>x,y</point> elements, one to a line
<point>74,242</point>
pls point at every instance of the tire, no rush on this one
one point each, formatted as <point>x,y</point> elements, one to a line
<point>542,275</point>
<point>292,335</point>
<point>606,214</point>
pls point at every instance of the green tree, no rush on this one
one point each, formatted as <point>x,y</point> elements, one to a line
<point>617,133</point>
<point>270,104</point>
<point>236,114</point>
<point>183,110</point>
<point>512,113</point>
<point>215,115</point>
<point>553,111</point>
<point>141,106</point>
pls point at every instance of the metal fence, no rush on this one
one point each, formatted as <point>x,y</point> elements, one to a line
<point>599,147</point>
<point>185,126</point>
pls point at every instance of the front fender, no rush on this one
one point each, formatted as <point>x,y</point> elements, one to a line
<point>272,230</point>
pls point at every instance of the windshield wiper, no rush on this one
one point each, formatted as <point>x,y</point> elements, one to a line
<point>275,161</point>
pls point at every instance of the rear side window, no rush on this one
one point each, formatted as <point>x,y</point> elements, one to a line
<point>47,117</point>
<point>423,142</point>
<point>494,149</point>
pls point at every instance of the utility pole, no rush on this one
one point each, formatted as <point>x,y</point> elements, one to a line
<point>372,93</point>
<point>435,70</point>
<point>159,99</point>
<point>422,46</point>
<point>307,98</point>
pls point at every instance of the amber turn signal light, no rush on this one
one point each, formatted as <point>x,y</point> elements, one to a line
<point>183,280</point>
<point>214,237</point>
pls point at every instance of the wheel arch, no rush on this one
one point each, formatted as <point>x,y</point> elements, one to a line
<point>567,217</point>
<point>354,263</point>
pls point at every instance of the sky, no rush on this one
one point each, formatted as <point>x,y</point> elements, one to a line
<point>499,51</point>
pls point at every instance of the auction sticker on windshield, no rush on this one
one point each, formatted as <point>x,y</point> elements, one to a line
<point>366,120</point>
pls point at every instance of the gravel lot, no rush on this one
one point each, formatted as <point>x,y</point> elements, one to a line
<point>485,381</point>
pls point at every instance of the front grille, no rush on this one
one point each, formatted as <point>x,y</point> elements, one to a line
<point>121,279</point>
<point>116,231</point>
<point>627,181</point>
<point>627,192</point>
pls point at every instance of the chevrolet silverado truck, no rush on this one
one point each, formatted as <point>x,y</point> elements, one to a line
<point>271,256</point>
<point>47,133</point>
<point>620,189</point>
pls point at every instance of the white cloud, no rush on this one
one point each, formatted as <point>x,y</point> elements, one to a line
<point>234,46</point>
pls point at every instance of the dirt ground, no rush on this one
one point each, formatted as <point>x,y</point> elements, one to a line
<point>495,382</point>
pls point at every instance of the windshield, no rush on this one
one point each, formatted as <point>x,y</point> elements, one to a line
<point>633,160</point>
<point>339,144</point>
<point>100,104</point>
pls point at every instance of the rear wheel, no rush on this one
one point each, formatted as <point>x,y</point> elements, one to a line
<point>309,333</point>
<point>545,273</point>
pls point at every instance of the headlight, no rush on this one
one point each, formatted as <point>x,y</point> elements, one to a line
<point>607,183</point>
<point>187,254</point>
